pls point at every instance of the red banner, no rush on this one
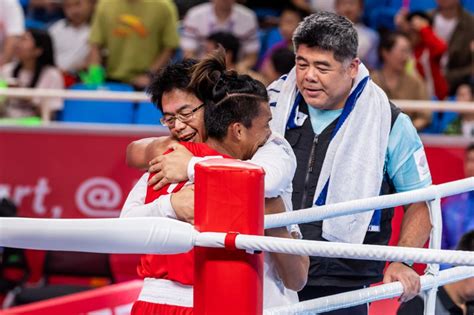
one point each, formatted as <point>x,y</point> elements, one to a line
<point>68,172</point>
<point>80,171</point>
<point>114,299</point>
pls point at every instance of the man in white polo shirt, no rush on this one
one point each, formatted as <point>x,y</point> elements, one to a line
<point>221,15</point>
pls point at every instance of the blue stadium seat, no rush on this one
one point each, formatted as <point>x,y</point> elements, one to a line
<point>441,120</point>
<point>380,14</point>
<point>268,38</point>
<point>24,4</point>
<point>422,5</point>
<point>32,23</point>
<point>382,18</point>
<point>92,111</point>
<point>468,5</point>
<point>147,114</point>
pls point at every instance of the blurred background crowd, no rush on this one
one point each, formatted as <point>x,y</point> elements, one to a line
<point>416,50</point>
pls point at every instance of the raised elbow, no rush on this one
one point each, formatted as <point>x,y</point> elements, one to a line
<point>295,283</point>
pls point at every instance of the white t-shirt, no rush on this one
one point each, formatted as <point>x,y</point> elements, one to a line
<point>201,21</point>
<point>50,78</point>
<point>444,28</point>
<point>12,21</point>
<point>323,5</point>
<point>279,174</point>
<point>71,44</point>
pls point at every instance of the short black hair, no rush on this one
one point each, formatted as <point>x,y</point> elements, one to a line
<point>421,14</point>
<point>293,8</point>
<point>330,32</point>
<point>172,76</point>
<point>229,41</point>
<point>466,242</point>
<point>234,108</point>
<point>283,60</point>
<point>235,98</point>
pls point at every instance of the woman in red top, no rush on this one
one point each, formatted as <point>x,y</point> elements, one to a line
<point>428,49</point>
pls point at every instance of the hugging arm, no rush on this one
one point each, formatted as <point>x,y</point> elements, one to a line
<point>141,152</point>
<point>179,166</point>
<point>292,269</point>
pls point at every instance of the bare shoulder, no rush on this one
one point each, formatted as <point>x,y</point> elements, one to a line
<point>159,146</point>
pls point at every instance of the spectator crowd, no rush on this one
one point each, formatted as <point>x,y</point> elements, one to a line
<point>421,51</point>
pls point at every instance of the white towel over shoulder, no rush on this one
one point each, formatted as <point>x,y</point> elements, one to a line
<point>355,158</point>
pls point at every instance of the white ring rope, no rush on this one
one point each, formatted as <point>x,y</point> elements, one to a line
<point>367,204</point>
<point>127,236</point>
<point>75,94</point>
<point>375,293</point>
<point>162,235</point>
<point>439,106</point>
<point>407,105</point>
<point>353,251</point>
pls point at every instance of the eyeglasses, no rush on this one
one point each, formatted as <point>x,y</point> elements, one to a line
<point>184,117</point>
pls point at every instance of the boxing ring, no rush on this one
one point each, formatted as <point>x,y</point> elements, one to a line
<point>216,182</point>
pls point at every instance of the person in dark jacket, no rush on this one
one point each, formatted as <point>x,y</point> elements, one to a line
<point>320,106</point>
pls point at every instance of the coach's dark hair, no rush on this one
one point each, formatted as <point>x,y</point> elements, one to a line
<point>466,242</point>
<point>330,32</point>
<point>229,97</point>
<point>172,76</point>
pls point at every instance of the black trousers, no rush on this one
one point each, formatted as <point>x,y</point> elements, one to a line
<point>312,292</point>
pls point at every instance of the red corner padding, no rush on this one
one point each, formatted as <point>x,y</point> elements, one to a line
<point>228,197</point>
<point>116,299</point>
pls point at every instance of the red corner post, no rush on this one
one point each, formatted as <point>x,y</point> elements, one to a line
<point>229,197</point>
